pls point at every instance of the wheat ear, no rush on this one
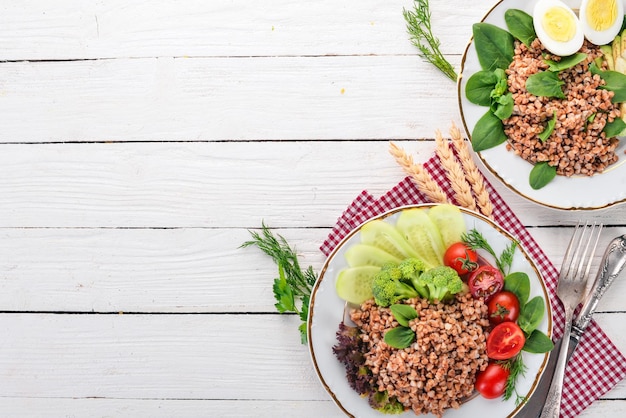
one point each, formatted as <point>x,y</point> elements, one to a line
<point>455,174</point>
<point>474,176</point>
<point>425,183</point>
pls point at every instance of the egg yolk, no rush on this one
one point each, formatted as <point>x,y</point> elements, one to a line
<point>559,24</point>
<point>601,14</point>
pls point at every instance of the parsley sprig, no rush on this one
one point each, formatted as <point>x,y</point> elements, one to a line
<point>292,288</point>
<point>421,35</point>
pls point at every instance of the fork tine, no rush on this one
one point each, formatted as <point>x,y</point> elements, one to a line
<point>568,258</point>
<point>597,229</point>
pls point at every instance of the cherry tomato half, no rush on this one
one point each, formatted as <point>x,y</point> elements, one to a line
<point>485,282</point>
<point>503,306</point>
<point>505,341</point>
<point>491,382</point>
<point>461,258</point>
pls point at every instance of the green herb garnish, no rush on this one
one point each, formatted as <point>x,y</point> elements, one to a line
<point>421,35</point>
<point>520,25</point>
<point>292,288</point>
<point>401,336</point>
<point>476,241</point>
<point>543,136</point>
<point>516,368</point>
<point>541,174</point>
<point>545,83</point>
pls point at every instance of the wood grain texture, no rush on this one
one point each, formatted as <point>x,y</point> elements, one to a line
<point>71,29</point>
<point>214,185</point>
<point>140,141</point>
<point>168,98</point>
<point>175,270</point>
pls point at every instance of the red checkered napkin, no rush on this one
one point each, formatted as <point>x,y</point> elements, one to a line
<point>597,365</point>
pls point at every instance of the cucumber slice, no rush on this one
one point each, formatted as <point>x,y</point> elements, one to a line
<point>354,284</point>
<point>450,222</point>
<point>423,235</point>
<point>386,237</point>
<point>369,255</point>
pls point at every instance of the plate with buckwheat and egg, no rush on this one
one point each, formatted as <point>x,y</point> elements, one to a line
<point>542,95</point>
<point>430,310</point>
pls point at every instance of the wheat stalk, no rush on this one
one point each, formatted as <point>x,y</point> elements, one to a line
<point>474,177</point>
<point>425,183</point>
<point>455,174</point>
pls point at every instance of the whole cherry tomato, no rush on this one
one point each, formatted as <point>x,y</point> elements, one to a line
<point>485,281</point>
<point>505,341</point>
<point>491,382</point>
<point>503,306</point>
<point>461,258</point>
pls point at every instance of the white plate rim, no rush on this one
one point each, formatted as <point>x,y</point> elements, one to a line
<point>547,325</point>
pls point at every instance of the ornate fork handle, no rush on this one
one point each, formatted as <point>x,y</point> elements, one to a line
<point>553,400</point>
<point>612,264</point>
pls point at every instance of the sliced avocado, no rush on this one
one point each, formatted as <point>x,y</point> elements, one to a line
<point>620,65</point>
<point>608,56</point>
<point>623,42</point>
<point>617,47</point>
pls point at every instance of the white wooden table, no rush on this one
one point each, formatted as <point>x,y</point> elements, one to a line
<point>139,143</point>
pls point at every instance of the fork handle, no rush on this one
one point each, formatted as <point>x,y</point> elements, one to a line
<point>552,407</point>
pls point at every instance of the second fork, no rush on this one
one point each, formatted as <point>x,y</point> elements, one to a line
<point>570,290</point>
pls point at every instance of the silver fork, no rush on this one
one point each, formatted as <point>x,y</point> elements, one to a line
<point>571,290</point>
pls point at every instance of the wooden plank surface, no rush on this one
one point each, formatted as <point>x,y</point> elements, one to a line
<point>140,142</point>
<point>175,270</point>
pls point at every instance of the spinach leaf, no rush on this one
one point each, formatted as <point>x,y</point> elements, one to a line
<point>479,87</point>
<point>399,337</point>
<point>502,107</point>
<point>518,283</point>
<point>549,129</point>
<point>541,174</point>
<point>538,342</point>
<point>614,128</point>
<point>615,82</point>
<point>566,62</point>
<point>403,313</point>
<point>520,25</point>
<point>545,83</point>
<point>531,314</point>
<point>494,46</point>
<point>488,132</point>
<point>501,86</point>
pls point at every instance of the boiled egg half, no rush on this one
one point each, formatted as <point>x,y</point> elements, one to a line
<point>601,20</point>
<point>557,27</point>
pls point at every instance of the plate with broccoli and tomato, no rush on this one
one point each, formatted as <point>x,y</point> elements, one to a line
<point>429,309</point>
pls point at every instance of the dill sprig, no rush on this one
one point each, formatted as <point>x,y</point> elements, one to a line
<point>475,240</point>
<point>292,288</point>
<point>516,368</point>
<point>421,35</point>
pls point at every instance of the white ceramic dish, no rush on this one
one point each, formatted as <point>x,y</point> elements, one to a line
<point>580,192</point>
<point>326,313</point>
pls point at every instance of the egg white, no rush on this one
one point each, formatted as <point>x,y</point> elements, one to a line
<point>554,46</point>
<point>601,37</point>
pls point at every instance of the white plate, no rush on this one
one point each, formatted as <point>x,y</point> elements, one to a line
<point>326,312</point>
<point>580,192</point>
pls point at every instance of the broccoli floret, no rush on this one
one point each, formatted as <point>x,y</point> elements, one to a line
<point>412,269</point>
<point>388,287</point>
<point>382,402</point>
<point>442,282</point>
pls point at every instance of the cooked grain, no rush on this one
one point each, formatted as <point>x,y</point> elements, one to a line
<point>439,369</point>
<point>577,146</point>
